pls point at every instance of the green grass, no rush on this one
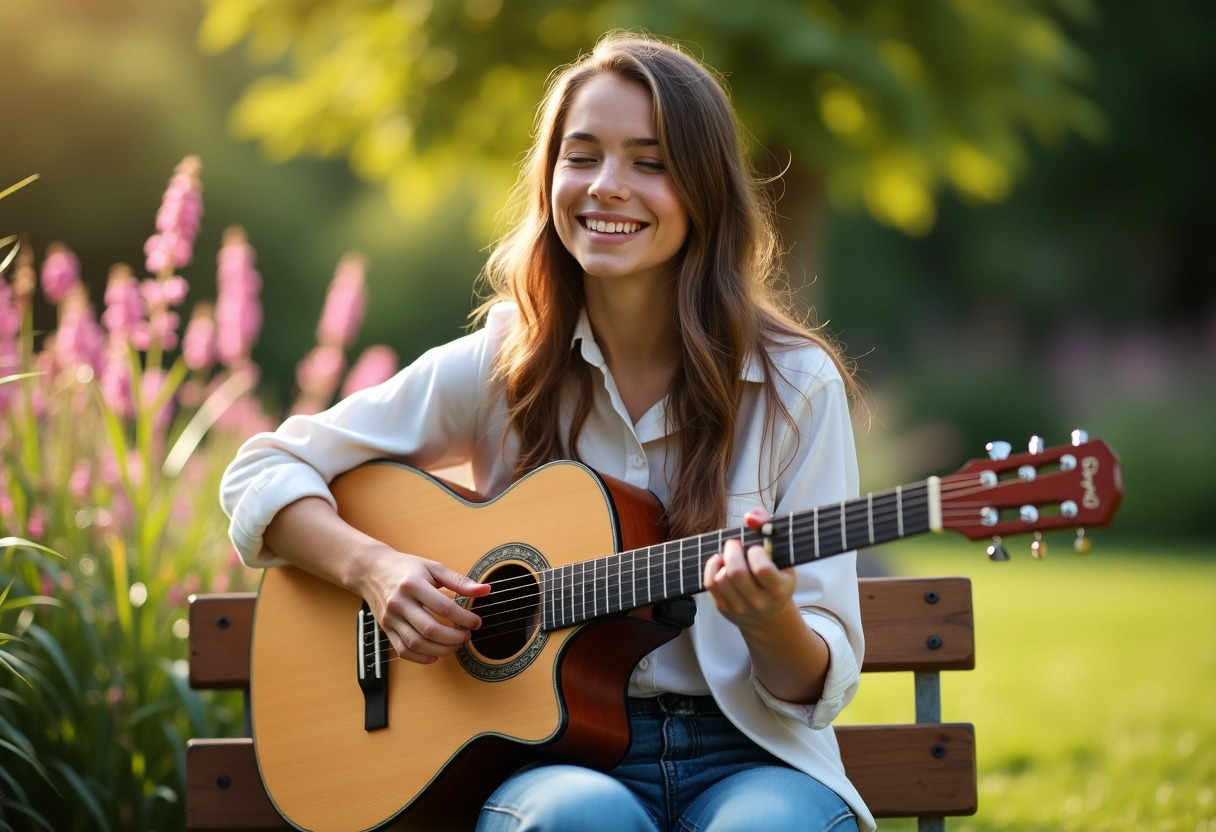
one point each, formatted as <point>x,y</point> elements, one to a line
<point>1094,694</point>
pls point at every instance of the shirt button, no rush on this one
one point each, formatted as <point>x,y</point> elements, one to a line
<point>643,664</point>
<point>637,460</point>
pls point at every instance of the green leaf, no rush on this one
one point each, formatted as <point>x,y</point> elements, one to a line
<point>54,651</point>
<point>86,796</point>
<point>18,376</point>
<point>27,758</point>
<point>12,188</point>
<point>22,543</point>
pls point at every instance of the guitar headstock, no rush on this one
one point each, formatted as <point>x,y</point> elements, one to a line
<point>1078,485</point>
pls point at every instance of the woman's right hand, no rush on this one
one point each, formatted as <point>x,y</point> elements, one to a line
<point>422,622</point>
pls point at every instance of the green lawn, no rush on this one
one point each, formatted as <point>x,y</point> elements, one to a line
<point>1094,695</point>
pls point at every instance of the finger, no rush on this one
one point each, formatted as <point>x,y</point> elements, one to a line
<point>756,518</point>
<point>738,571</point>
<point>732,579</point>
<point>453,580</point>
<point>427,596</point>
<point>434,637</point>
<point>713,567</point>
<point>399,646</point>
<point>764,572</point>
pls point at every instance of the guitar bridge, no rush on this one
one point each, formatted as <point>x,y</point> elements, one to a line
<point>372,652</point>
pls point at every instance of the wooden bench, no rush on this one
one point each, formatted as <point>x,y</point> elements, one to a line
<point>924,769</point>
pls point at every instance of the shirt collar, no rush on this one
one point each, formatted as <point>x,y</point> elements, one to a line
<point>752,371</point>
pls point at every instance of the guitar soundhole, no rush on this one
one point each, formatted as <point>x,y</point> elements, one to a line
<point>510,614</point>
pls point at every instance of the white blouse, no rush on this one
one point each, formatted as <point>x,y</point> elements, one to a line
<point>445,410</point>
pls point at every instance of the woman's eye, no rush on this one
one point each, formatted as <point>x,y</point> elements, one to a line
<point>651,165</point>
<point>579,159</point>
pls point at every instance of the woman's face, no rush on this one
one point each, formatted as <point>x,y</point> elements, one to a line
<point>614,205</point>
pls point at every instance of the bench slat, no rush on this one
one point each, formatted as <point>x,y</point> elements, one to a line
<point>893,766</point>
<point>900,625</point>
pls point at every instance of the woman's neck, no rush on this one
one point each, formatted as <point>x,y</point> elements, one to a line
<point>635,328</point>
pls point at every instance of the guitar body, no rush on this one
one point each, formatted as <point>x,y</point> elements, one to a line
<point>455,728</point>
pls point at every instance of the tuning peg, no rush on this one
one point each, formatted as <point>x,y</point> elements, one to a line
<point>1081,545</point>
<point>998,450</point>
<point>1038,547</point>
<point>1079,437</point>
<point>1036,445</point>
<point>996,551</point>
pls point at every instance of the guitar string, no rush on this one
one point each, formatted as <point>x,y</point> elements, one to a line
<point>829,521</point>
<point>827,527</point>
<point>526,605</point>
<point>528,602</point>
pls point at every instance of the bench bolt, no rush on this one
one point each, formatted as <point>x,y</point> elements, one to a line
<point>934,642</point>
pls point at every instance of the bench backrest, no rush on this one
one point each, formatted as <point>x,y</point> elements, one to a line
<point>924,769</point>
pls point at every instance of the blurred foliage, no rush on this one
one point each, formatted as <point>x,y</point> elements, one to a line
<point>887,102</point>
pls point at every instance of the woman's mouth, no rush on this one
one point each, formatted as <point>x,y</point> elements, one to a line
<point>607,227</point>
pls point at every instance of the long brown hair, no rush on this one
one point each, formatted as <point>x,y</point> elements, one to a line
<point>726,308</point>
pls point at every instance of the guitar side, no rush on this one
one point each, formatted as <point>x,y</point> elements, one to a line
<point>451,735</point>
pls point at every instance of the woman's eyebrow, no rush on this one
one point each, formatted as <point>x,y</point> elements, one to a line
<point>587,137</point>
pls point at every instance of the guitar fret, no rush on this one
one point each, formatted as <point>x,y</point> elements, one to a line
<point>680,556</point>
<point>870,515</point>
<point>816,532</point>
<point>844,543</point>
<point>899,509</point>
<point>791,537</point>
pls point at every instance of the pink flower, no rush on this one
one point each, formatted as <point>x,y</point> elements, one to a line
<point>80,340</point>
<point>116,378</point>
<point>36,526</point>
<point>345,303</point>
<point>238,311</point>
<point>124,315</point>
<point>80,479</point>
<point>10,363</point>
<point>375,365</point>
<point>153,384</point>
<point>10,360</point>
<point>60,272</point>
<point>321,370</point>
<point>10,312</point>
<point>199,343</point>
<point>181,211</point>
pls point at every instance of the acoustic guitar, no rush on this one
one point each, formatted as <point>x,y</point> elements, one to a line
<point>350,737</point>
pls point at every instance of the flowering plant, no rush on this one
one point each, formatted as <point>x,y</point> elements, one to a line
<point>114,432</point>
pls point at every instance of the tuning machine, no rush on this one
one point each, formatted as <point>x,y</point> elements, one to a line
<point>998,450</point>
<point>996,550</point>
<point>1038,547</point>
<point>1081,544</point>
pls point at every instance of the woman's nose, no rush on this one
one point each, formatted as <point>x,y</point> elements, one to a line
<point>609,182</point>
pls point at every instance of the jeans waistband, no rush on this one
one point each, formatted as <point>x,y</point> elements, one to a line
<point>673,704</point>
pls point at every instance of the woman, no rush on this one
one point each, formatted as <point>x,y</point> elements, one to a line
<point>633,329</point>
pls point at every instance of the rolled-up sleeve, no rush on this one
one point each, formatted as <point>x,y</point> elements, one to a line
<point>427,415</point>
<point>820,468</point>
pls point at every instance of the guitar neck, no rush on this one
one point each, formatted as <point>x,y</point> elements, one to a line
<point>584,591</point>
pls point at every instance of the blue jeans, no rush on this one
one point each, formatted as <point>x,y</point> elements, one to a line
<point>688,769</point>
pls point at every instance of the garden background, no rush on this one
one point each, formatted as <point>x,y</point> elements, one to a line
<point>1003,209</point>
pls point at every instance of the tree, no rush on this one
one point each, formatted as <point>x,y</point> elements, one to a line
<point>870,103</point>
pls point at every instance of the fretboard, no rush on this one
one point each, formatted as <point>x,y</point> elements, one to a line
<point>587,590</point>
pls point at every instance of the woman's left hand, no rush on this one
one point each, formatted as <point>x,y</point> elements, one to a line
<point>747,587</point>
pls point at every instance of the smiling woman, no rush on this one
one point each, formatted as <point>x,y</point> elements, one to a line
<point>615,207</point>
<point>632,329</point>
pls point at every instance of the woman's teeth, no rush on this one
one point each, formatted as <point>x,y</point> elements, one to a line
<point>613,227</point>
